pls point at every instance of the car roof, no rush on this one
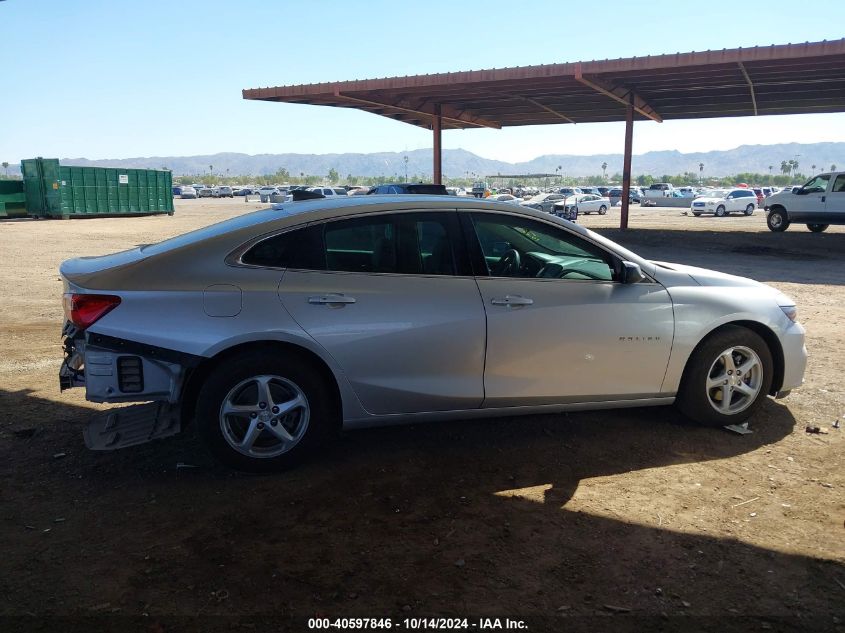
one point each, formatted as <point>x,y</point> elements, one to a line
<point>290,214</point>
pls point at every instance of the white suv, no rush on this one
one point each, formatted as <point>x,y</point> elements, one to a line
<point>721,202</point>
<point>329,192</point>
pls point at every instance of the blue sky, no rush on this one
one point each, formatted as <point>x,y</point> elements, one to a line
<point>106,79</point>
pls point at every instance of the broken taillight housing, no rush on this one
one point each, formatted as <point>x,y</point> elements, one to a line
<point>83,310</point>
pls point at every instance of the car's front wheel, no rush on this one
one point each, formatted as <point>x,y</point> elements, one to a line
<point>720,211</point>
<point>727,377</point>
<point>818,228</point>
<point>777,220</point>
<point>258,412</point>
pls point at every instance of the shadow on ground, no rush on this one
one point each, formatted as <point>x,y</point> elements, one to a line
<point>795,256</point>
<point>401,522</point>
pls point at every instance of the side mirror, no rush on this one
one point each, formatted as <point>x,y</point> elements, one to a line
<point>800,191</point>
<point>631,273</point>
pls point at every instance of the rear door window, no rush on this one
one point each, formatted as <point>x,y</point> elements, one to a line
<point>425,243</point>
<point>361,245</point>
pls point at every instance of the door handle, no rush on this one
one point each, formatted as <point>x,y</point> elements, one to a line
<point>823,198</point>
<point>331,298</point>
<point>512,300</point>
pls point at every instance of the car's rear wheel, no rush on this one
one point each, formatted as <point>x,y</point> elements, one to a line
<point>749,209</point>
<point>720,211</point>
<point>727,377</point>
<point>258,412</point>
<point>818,228</point>
<point>602,210</point>
<point>777,220</point>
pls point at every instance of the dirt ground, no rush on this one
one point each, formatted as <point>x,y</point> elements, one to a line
<point>600,520</point>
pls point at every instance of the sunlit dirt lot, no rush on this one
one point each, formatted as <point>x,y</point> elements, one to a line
<point>566,520</point>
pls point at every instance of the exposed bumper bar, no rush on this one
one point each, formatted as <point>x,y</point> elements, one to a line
<point>128,426</point>
<point>117,370</point>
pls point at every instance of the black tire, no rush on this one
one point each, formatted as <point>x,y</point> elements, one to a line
<point>777,220</point>
<point>602,210</point>
<point>323,418</point>
<point>818,228</point>
<point>749,209</point>
<point>696,214</point>
<point>693,398</point>
<point>720,211</point>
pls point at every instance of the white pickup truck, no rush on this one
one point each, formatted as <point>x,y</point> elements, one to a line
<point>818,204</point>
<point>660,190</point>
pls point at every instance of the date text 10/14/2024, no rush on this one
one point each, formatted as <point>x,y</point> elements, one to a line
<point>432,624</point>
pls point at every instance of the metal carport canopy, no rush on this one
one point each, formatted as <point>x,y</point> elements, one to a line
<point>778,79</point>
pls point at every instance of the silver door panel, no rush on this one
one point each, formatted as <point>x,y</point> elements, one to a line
<point>406,343</point>
<point>577,339</point>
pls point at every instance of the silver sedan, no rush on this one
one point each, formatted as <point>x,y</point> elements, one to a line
<point>582,204</point>
<point>272,330</point>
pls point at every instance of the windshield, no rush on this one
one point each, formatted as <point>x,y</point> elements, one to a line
<point>717,193</point>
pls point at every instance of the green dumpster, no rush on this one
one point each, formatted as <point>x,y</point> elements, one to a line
<point>12,199</point>
<point>63,191</point>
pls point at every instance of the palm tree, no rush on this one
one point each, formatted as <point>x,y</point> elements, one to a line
<point>794,166</point>
<point>211,169</point>
<point>784,167</point>
<point>700,172</point>
<point>813,167</point>
<point>833,167</point>
<point>6,167</point>
<point>604,171</point>
<point>770,169</point>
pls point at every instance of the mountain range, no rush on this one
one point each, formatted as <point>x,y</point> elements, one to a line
<point>459,162</point>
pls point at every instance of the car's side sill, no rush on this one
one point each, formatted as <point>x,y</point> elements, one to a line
<point>467,414</point>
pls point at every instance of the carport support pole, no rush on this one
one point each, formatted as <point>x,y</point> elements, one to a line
<point>436,123</point>
<point>626,163</point>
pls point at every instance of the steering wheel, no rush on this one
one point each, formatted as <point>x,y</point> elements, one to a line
<point>510,262</point>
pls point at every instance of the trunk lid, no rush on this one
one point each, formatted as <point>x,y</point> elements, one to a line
<point>76,269</point>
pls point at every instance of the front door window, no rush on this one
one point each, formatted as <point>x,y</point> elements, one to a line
<point>519,247</point>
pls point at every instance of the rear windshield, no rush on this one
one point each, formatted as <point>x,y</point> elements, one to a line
<point>233,224</point>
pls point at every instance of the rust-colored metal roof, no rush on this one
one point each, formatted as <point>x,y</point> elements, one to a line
<point>777,79</point>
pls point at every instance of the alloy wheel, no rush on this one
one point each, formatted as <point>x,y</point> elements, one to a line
<point>734,380</point>
<point>264,416</point>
